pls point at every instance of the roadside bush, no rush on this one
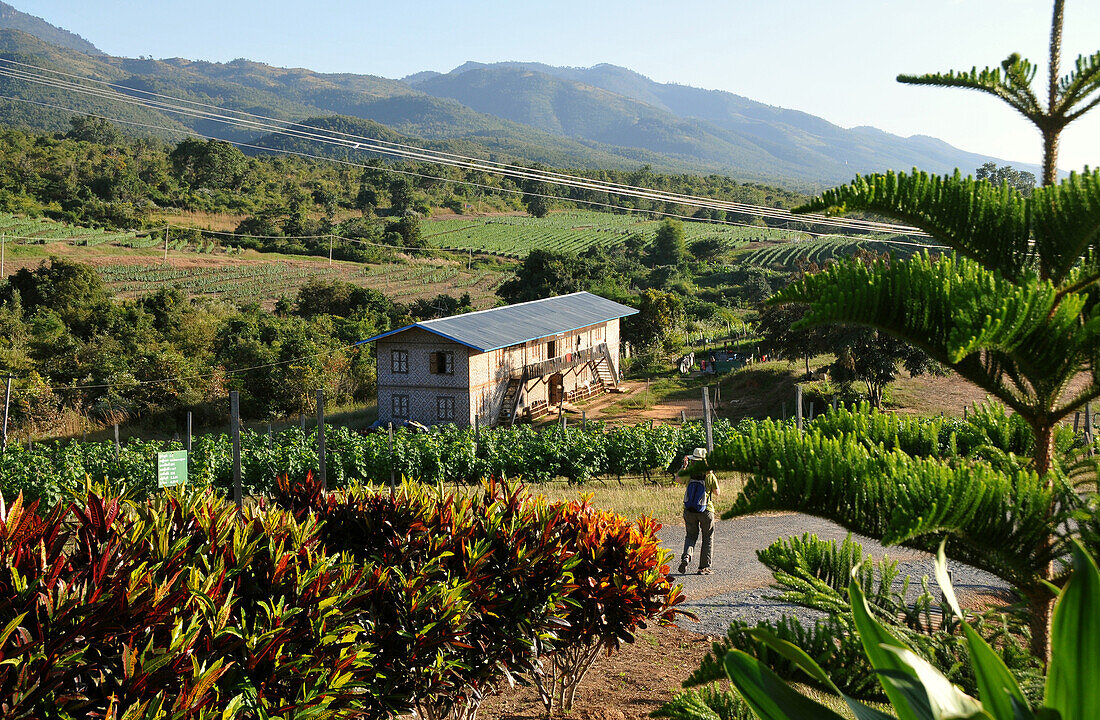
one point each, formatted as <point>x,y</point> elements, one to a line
<point>184,606</point>
<point>917,690</point>
<point>620,582</point>
<point>471,584</point>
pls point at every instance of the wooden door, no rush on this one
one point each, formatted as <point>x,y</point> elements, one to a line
<point>557,388</point>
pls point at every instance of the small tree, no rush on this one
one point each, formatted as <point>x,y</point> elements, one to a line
<point>1019,179</point>
<point>668,246</point>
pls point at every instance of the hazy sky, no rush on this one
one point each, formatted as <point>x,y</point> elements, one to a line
<point>833,58</point>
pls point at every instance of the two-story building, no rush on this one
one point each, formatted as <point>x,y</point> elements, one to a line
<point>495,366</point>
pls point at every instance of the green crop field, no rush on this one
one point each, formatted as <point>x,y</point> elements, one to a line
<point>788,255</point>
<point>573,231</point>
<point>39,231</point>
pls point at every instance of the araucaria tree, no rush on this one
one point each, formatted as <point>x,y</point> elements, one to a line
<point>1016,308</point>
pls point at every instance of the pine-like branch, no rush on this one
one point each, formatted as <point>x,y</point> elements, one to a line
<point>1066,223</point>
<point>964,316</point>
<point>999,522</point>
<point>1011,83</point>
<point>979,220</point>
<point>1076,87</point>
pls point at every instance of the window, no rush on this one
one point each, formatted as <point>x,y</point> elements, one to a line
<point>597,334</point>
<point>399,362</point>
<point>441,362</point>
<point>399,404</point>
<point>551,349</point>
<point>445,407</point>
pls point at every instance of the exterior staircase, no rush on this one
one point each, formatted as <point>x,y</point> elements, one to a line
<point>508,405</point>
<point>605,370</point>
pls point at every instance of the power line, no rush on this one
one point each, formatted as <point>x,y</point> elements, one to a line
<point>352,142</point>
<point>491,188</point>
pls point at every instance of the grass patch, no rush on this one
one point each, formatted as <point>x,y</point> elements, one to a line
<point>635,497</point>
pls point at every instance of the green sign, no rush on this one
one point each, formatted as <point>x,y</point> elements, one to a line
<point>172,468</point>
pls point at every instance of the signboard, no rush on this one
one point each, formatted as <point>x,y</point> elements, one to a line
<point>171,468</point>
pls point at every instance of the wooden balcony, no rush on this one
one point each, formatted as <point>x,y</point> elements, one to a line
<point>566,361</point>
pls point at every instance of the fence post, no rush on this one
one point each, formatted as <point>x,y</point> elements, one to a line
<point>1088,422</point>
<point>810,413</point>
<point>834,403</point>
<point>584,420</point>
<point>187,435</point>
<point>268,434</point>
<point>321,439</point>
<point>707,420</point>
<point>117,449</point>
<point>798,407</point>
<point>683,417</point>
<point>1076,420</point>
<point>235,434</point>
<point>784,411</point>
<point>393,481</point>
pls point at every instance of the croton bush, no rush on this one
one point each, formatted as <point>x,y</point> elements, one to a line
<point>358,603</point>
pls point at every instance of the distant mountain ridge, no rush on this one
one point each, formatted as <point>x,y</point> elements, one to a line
<point>17,20</point>
<point>678,118</point>
<point>602,116</point>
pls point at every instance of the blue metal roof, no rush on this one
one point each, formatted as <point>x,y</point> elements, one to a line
<point>501,327</point>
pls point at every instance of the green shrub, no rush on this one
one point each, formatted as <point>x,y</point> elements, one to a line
<point>918,691</point>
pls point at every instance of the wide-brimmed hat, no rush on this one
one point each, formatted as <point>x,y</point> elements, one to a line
<point>698,455</point>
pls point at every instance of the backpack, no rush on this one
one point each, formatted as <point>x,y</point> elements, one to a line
<point>695,494</point>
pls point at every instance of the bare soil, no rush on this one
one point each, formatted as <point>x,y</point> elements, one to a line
<point>628,685</point>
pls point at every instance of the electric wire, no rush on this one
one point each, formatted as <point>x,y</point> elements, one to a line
<point>492,188</point>
<point>263,123</point>
<point>485,166</point>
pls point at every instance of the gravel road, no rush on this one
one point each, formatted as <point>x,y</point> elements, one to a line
<point>740,585</point>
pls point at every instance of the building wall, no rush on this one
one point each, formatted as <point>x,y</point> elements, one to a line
<point>422,387</point>
<point>480,380</point>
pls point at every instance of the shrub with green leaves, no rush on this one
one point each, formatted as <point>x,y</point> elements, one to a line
<point>918,691</point>
<point>815,574</point>
<point>183,606</point>
<point>620,582</point>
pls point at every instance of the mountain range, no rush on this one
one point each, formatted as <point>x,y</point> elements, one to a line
<point>603,116</point>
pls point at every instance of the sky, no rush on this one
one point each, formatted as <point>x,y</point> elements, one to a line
<point>837,59</point>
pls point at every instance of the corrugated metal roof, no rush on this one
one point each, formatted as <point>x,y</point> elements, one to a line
<point>501,327</point>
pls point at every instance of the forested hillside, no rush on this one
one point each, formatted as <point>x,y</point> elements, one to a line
<point>601,117</point>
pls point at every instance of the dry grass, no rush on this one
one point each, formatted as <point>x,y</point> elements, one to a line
<point>634,497</point>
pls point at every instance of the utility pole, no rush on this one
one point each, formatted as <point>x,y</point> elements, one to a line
<point>322,470</point>
<point>7,399</point>
<point>165,244</point>
<point>235,435</point>
<point>330,249</point>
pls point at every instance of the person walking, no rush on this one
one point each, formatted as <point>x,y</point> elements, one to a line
<point>699,493</point>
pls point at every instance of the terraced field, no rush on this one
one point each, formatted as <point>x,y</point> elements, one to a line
<point>573,231</point>
<point>788,255</point>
